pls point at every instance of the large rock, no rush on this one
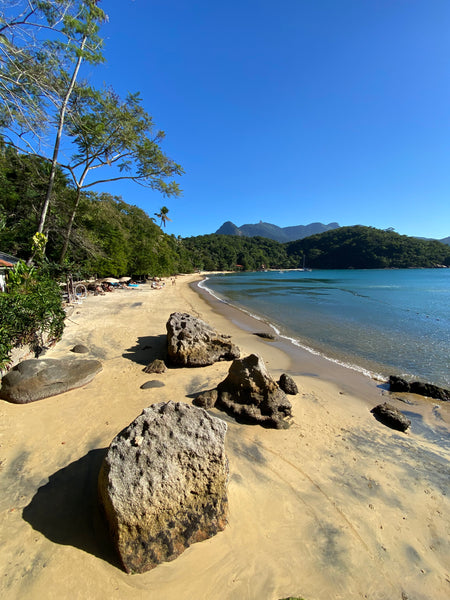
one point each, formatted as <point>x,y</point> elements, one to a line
<point>36,379</point>
<point>391,416</point>
<point>250,394</point>
<point>163,484</point>
<point>397,384</point>
<point>193,343</point>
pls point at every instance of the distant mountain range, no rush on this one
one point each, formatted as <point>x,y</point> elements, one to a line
<point>283,234</point>
<point>273,232</point>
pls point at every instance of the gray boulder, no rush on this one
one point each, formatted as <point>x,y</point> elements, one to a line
<point>163,484</point>
<point>250,395</point>
<point>36,379</point>
<point>193,343</point>
<point>391,416</point>
<point>80,349</point>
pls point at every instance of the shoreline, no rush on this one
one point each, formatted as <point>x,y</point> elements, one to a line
<point>336,506</point>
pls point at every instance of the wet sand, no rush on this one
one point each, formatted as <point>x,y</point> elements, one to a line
<point>336,506</point>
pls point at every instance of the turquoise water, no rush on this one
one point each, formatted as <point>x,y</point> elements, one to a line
<point>379,321</point>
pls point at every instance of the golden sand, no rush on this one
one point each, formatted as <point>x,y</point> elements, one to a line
<point>338,506</point>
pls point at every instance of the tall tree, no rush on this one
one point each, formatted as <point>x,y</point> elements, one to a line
<point>163,215</point>
<point>118,137</point>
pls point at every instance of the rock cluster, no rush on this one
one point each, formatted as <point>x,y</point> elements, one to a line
<point>193,343</point>
<point>163,484</point>
<point>397,384</point>
<point>35,379</point>
<point>250,394</point>
<point>391,416</point>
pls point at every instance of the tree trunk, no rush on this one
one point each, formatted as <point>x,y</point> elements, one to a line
<point>61,119</point>
<point>69,227</point>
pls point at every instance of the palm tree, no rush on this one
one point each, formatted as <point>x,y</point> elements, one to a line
<point>163,215</point>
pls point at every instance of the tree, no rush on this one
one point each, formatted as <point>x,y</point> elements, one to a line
<point>38,75</point>
<point>163,215</point>
<point>120,136</point>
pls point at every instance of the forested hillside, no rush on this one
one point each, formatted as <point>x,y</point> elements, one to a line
<point>361,247</point>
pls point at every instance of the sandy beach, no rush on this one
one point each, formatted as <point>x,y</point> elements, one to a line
<point>338,506</point>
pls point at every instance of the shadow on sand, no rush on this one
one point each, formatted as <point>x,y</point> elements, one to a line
<point>66,510</point>
<point>147,349</point>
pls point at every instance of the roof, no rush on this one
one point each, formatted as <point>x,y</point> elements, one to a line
<point>4,263</point>
<point>8,260</point>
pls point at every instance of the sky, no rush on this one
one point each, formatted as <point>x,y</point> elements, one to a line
<point>293,111</point>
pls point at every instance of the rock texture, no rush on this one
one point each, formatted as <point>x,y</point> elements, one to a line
<point>288,385</point>
<point>163,484</point>
<point>193,343</point>
<point>397,384</point>
<point>391,416</point>
<point>36,379</point>
<point>250,395</point>
<point>156,366</point>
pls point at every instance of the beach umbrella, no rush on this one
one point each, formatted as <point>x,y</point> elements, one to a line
<point>124,279</point>
<point>110,280</point>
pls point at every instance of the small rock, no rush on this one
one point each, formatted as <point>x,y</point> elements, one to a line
<point>156,366</point>
<point>80,349</point>
<point>264,335</point>
<point>288,385</point>
<point>391,416</point>
<point>152,384</point>
<point>206,399</point>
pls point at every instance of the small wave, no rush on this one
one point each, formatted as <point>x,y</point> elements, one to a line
<point>205,288</point>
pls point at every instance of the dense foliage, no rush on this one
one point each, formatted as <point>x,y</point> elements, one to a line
<point>30,310</point>
<point>361,247</point>
<point>109,236</point>
<point>217,252</point>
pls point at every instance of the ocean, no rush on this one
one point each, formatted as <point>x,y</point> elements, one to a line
<point>379,322</point>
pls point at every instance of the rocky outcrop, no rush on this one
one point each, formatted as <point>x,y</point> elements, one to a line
<point>193,343</point>
<point>163,484</point>
<point>391,416</point>
<point>250,395</point>
<point>397,384</point>
<point>288,385</point>
<point>36,379</point>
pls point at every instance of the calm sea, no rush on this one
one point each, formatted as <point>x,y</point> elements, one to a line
<point>378,321</point>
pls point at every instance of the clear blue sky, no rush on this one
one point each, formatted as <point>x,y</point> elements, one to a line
<point>291,111</point>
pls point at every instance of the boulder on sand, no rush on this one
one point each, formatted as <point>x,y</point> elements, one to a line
<point>250,395</point>
<point>193,343</point>
<point>163,484</point>
<point>391,416</point>
<point>288,385</point>
<point>35,379</point>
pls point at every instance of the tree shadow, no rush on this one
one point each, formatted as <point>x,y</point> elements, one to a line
<point>147,349</point>
<point>66,509</point>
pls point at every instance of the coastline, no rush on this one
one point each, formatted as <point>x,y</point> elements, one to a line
<point>337,506</point>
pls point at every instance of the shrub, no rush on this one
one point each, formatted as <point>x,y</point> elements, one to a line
<point>30,309</point>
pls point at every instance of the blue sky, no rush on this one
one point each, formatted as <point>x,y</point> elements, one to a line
<point>291,111</point>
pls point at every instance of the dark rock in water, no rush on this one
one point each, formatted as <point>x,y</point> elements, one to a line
<point>157,366</point>
<point>397,384</point>
<point>391,416</point>
<point>80,349</point>
<point>36,379</point>
<point>152,384</point>
<point>193,343</point>
<point>264,335</point>
<point>163,484</point>
<point>206,399</point>
<point>250,395</point>
<point>288,385</point>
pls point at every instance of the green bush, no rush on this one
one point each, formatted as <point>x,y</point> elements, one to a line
<point>30,309</point>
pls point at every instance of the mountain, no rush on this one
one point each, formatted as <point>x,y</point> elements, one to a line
<point>273,232</point>
<point>445,241</point>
